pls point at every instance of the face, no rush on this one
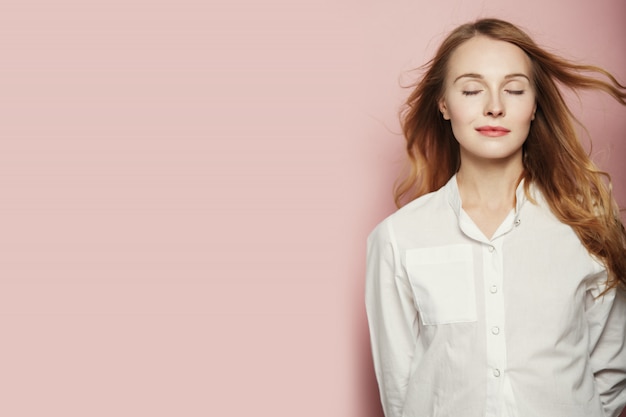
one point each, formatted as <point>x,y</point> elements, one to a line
<point>489,99</point>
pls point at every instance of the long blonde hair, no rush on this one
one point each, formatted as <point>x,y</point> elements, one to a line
<point>578,193</point>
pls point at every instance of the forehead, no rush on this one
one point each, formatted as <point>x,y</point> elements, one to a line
<point>488,57</point>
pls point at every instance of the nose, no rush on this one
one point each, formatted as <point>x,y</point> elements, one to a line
<point>494,106</point>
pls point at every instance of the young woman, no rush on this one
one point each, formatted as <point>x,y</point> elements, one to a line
<point>498,290</point>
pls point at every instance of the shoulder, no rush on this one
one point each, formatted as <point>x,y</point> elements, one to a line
<point>416,215</point>
<point>538,212</point>
<point>547,237</point>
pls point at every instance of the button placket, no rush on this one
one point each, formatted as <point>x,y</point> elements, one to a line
<point>494,320</point>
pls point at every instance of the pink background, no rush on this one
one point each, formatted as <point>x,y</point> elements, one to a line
<point>186,189</point>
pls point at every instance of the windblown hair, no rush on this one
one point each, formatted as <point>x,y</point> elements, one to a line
<point>578,193</point>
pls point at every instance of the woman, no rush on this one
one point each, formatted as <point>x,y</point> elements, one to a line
<point>498,290</point>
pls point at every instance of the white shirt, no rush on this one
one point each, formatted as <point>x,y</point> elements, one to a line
<point>463,325</point>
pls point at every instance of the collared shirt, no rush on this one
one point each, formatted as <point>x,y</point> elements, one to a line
<point>512,326</point>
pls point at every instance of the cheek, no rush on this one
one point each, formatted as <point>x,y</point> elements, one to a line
<point>530,108</point>
<point>461,114</point>
<point>528,115</point>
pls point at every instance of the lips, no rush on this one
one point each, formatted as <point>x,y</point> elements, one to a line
<point>492,131</point>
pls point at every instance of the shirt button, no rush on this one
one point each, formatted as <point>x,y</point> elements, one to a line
<point>491,248</point>
<point>495,330</point>
<point>493,289</point>
<point>496,373</point>
<point>517,222</point>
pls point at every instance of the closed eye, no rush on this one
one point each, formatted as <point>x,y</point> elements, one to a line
<point>471,93</point>
<point>515,92</point>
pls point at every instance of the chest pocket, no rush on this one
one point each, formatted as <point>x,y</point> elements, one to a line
<point>442,279</point>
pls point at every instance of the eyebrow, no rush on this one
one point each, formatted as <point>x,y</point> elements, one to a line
<point>480,77</point>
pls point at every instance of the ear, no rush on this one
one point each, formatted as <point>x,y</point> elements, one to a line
<point>534,111</point>
<point>443,108</point>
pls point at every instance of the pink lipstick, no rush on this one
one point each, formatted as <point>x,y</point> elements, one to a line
<point>492,131</point>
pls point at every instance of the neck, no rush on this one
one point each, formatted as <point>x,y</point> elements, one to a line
<point>489,185</point>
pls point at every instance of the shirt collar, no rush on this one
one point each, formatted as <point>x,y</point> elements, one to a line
<point>454,196</point>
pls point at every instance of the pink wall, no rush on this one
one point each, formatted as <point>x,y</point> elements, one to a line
<point>187,188</point>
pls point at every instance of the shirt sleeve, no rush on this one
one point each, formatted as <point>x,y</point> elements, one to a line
<point>606,316</point>
<point>392,319</point>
